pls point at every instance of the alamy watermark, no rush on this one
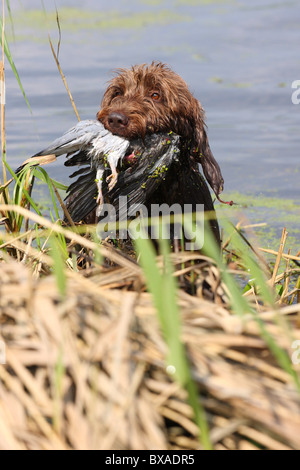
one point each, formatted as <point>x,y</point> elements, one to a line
<point>296,93</point>
<point>2,353</point>
<point>296,353</point>
<point>160,221</point>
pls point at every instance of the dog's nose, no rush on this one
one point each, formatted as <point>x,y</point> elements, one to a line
<point>117,120</point>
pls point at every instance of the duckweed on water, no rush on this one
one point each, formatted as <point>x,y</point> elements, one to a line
<point>275,212</point>
<point>204,2</point>
<point>75,19</point>
<point>252,200</point>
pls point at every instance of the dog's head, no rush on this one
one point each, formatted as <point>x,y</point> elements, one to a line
<point>152,98</point>
<point>147,99</point>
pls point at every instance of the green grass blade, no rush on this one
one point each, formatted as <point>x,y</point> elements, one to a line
<point>163,287</point>
<point>59,266</point>
<point>43,176</point>
<point>12,64</point>
<point>10,17</point>
<point>97,253</point>
<point>59,185</point>
<point>60,237</point>
<point>239,303</point>
<point>47,179</point>
<point>251,264</point>
<point>18,180</point>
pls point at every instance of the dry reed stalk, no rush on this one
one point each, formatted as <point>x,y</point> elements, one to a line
<point>63,206</point>
<point>227,242</point>
<point>55,55</point>
<point>2,188</point>
<point>106,252</point>
<point>286,277</point>
<point>40,160</point>
<point>284,255</point>
<point>279,256</point>
<point>104,347</point>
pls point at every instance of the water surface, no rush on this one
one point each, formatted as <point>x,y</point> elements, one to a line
<point>239,58</point>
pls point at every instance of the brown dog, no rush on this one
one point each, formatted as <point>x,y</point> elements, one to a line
<point>153,98</point>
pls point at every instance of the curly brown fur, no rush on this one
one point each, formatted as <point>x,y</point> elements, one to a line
<point>152,98</point>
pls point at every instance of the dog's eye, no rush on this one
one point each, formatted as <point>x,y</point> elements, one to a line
<point>117,93</point>
<point>155,96</point>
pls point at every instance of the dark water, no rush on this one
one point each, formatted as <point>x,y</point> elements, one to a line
<point>238,57</point>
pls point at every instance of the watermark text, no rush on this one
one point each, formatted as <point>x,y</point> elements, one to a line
<point>296,353</point>
<point>296,93</point>
<point>160,221</point>
<point>2,353</point>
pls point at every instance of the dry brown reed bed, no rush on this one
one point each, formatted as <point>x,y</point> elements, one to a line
<point>88,371</point>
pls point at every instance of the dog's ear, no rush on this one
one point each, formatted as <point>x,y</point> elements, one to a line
<point>202,153</point>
